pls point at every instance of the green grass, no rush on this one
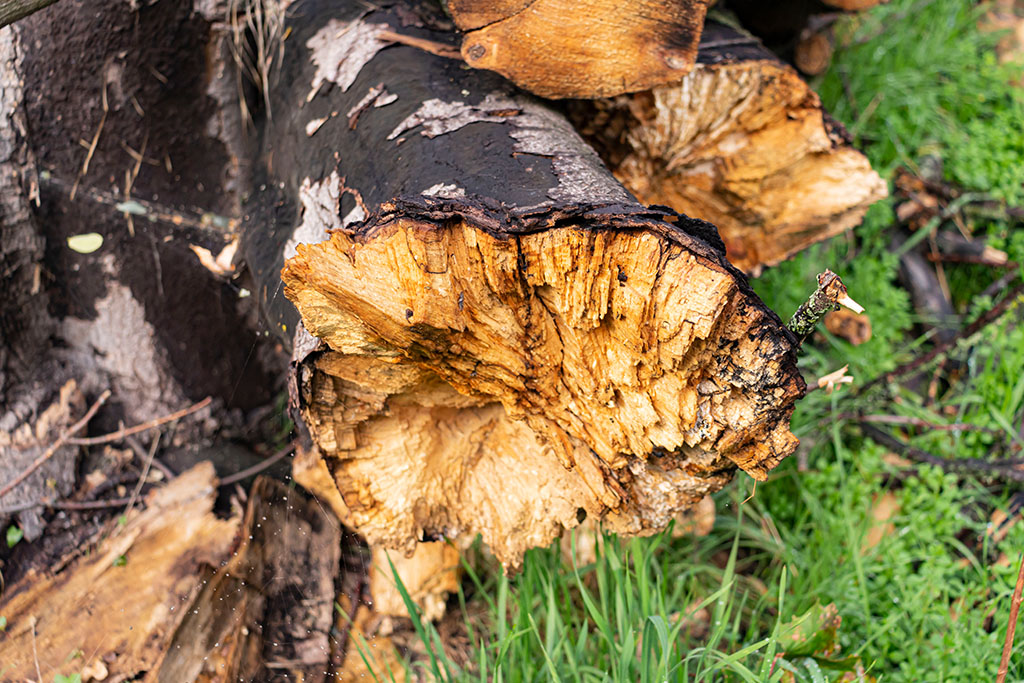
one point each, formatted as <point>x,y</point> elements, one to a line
<point>930,601</point>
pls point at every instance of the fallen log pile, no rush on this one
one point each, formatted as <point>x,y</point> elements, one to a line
<point>492,313</point>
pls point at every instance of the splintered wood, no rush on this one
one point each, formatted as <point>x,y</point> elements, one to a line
<point>504,341</point>
<point>742,142</point>
<point>119,605</point>
<point>177,594</point>
<point>513,385</point>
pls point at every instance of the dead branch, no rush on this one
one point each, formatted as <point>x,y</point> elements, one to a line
<point>146,426</point>
<point>12,10</point>
<point>986,318</point>
<point>61,440</point>
<point>1006,469</point>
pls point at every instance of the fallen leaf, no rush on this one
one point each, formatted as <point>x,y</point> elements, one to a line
<point>853,327</point>
<point>85,243</point>
<point>883,509</point>
<point>221,265</point>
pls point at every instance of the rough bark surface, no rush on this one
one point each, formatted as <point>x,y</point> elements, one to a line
<point>594,48</point>
<point>507,341</point>
<point>147,92</point>
<point>743,142</point>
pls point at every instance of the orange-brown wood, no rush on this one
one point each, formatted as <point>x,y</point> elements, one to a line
<point>582,48</point>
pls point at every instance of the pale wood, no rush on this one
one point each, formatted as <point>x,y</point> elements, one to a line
<point>743,142</point>
<point>568,48</point>
<point>495,337</point>
<point>122,614</point>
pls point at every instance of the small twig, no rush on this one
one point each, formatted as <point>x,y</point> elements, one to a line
<point>146,426</point>
<point>1004,663</point>
<point>258,467</point>
<point>830,295</point>
<point>917,422</point>
<point>431,46</point>
<point>66,505</point>
<point>145,473</point>
<point>831,380</point>
<point>984,319</point>
<point>152,211</point>
<point>35,652</point>
<point>157,463</point>
<point>55,446</point>
<point>1010,469</point>
<point>92,145</point>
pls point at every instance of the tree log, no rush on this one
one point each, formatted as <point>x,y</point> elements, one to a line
<point>505,340</point>
<point>742,142</point>
<point>567,48</point>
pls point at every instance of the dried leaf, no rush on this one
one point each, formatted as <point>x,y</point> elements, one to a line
<point>853,327</point>
<point>220,266</point>
<point>85,243</point>
<point>883,509</point>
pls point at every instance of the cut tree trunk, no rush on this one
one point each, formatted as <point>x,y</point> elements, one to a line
<point>505,341</point>
<point>568,48</point>
<point>743,142</point>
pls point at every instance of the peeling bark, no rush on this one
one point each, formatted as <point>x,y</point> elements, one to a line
<point>506,341</point>
<point>743,142</point>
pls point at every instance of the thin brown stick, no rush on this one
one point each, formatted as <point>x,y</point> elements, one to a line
<point>918,422</point>
<point>258,467</point>
<point>1004,663</point>
<point>55,446</point>
<point>137,429</point>
<point>431,46</point>
<point>141,452</point>
<point>145,472</point>
<point>66,505</point>
<point>984,319</point>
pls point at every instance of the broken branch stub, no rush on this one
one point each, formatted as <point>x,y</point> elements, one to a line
<point>741,141</point>
<point>507,341</point>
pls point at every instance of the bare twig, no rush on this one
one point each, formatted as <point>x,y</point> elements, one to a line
<point>66,505</point>
<point>1004,663</point>
<point>830,295</point>
<point>157,463</point>
<point>917,422</point>
<point>431,46</point>
<point>1008,469</point>
<point>145,426</point>
<point>258,467</point>
<point>145,473</point>
<point>55,446</point>
<point>151,211</point>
